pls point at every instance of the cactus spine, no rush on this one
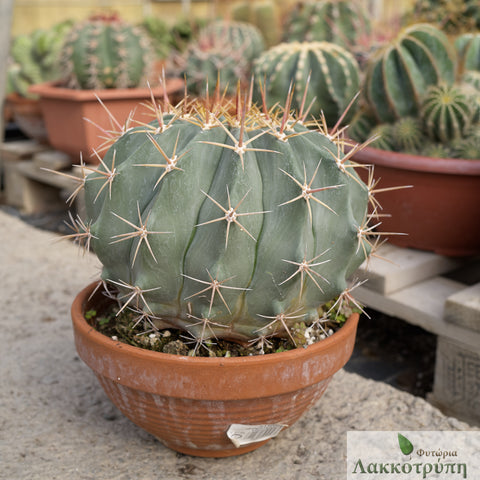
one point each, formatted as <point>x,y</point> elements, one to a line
<point>400,73</point>
<point>336,21</point>
<point>106,53</point>
<point>330,73</point>
<point>244,223</point>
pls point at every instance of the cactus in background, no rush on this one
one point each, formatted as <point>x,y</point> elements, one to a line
<point>383,137</point>
<point>447,112</point>
<point>436,150</point>
<point>104,53</point>
<point>408,135</point>
<point>337,21</point>
<point>226,225</point>
<point>468,50</point>
<point>34,58</point>
<point>159,35</point>
<point>330,72</point>
<point>265,15</point>
<point>239,36</point>
<point>467,148</point>
<point>400,73</point>
<point>361,125</point>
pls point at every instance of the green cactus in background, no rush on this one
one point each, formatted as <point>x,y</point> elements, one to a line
<point>102,53</point>
<point>451,16</point>
<point>330,73</point>
<point>361,125</point>
<point>384,137</point>
<point>338,21</point>
<point>265,15</point>
<point>159,34</point>
<point>34,58</point>
<point>468,50</point>
<point>447,112</point>
<point>408,135</point>
<point>239,36</point>
<point>225,50</point>
<point>399,74</point>
<point>436,150</point>
<point>227,225</point>
<point>467,148</point>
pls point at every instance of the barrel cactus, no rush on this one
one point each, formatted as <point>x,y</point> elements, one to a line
<point>330,72</point>
<point>338,21</point>
<point>224,51</point>
<point>447,112</point>
<point>227,226</point>
<point>468,49</point>
<point>400,73</point>
<point>106,52</point>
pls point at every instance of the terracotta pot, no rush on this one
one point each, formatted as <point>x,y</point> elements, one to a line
<point>440,213</point>
<point>65,111</point>
<point>28,116</point>
<point>189,403</point>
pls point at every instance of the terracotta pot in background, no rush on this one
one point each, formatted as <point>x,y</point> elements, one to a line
<point>441,213</point>
<point>65,111</point>
<point>28,116</point>
<point>189,403</point>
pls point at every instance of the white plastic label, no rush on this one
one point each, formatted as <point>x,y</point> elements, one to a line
<point>241,435</point>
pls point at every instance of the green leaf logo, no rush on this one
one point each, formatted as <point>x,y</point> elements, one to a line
<point>405,444</point>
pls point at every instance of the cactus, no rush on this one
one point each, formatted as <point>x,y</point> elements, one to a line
<point>239,36</point>
<point>330,72</point>
<point>400,73</point>
<point>407,134</point>
<point>223,49</point>
<point>361,125</point>
<point>383,135</point>
<point>102,53</point>
<point>467,148</point>
<point>447,112</point>
<point>468,50</point>
<point>34,58</point>
<point>436,150</point>
<point>337,21</point>
<point>233,226</point>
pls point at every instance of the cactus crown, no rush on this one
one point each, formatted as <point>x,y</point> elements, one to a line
<point>228,224</point>
<point>104,53</point>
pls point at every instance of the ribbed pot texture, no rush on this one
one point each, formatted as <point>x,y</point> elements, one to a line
<point>189,403</point>
<point>440,212</point>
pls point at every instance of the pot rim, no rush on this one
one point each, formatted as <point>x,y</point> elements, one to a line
<point>263,367</point>
<point>407,161</point>
<point>52,91</point>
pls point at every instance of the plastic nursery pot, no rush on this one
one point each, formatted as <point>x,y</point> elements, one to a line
<point>440,213</point>
<point>189,403</point>
<point>66,112</point>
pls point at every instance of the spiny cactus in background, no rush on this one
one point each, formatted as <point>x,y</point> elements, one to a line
<point>34,58</point>
<point>467,148</point>
<point>326,71</point>
<point>407,134</point>
<point>400,73</point>
<point>383,137</point>
<point>468,51</point>
<point>240,36</point>
<point>447,112</point>
<point>227,225</point>
<point>361,125</point>
<point>338,21</point>
<point>436,150</point>
<point>451,16</point>
<point>104,53</point>
<point>265,15</point>
<point>223,49</point>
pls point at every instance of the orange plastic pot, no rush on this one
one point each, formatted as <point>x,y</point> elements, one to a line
<point>66,111</point>
<point>189,403</point>
<point>440,213</point>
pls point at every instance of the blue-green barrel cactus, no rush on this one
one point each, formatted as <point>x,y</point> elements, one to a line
<point>228,225</point>
<point>102,53</point>
<point>399,74</point>
<point>329,72</point>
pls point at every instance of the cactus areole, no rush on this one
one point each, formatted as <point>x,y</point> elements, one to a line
<point>232,226</point>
